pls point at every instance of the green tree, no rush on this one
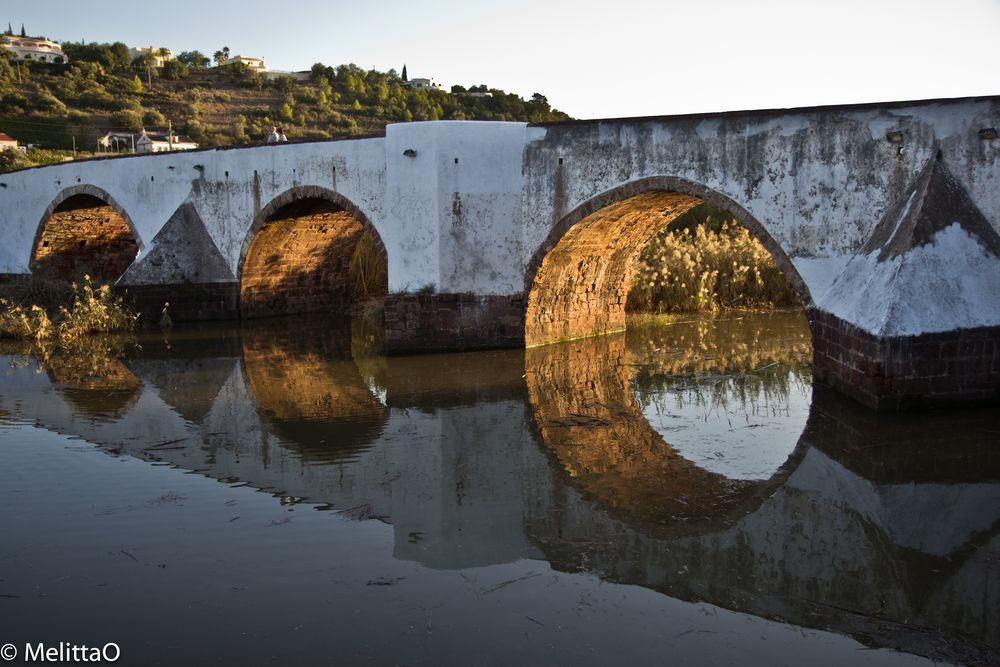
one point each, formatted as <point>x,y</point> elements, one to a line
<point>404,77</point>
<point>174,70</point>
<point>128,120</point>
<point>153,118</point>
<point>120,56</point>
<point>136,85</point>
<point>194,59</point>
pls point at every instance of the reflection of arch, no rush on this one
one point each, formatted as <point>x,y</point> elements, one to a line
<point>577,282</point>
<point>103,241</point>
<point>583,405</point>
<point>303,375</point>
<point>296,256</point>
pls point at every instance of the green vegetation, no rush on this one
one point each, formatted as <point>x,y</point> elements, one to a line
<point>103,89</point>
<point>706,261</point>
<point>64,316</point>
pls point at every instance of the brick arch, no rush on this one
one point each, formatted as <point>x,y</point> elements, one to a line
<point>296,275</point>
<point>577,281</point>
<point>65,243</point>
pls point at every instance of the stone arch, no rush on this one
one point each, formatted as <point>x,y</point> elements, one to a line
<point>285,261</point>
<point>102,243</point>
<point>577,281</point>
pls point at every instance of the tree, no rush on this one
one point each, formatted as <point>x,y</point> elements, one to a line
<point>174,70</point>
<point>10,31</point>
<point>405,78</point>
<point>219,57</point>
<point>23,33</point>
<point>136,86</point>
<point>195,59</point>
<point>225,53</point>
<point>129,120</point>
<point>120,57</point>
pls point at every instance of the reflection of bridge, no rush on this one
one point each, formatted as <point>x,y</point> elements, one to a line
<point>884,218</point>
<point>855,532</point>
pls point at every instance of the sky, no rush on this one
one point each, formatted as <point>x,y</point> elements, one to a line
<point>608,59</point>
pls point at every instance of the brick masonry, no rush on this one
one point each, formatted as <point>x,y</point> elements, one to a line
<point>300,263</point>
<point>581,285</point>
<point>84,236</point>
<point>906,372</point>
<point>452,322</point>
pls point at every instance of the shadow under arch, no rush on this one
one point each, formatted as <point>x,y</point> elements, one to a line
<point>296,256</point>
<point>592,426</point>
<point>577,281</point>
<point>84,230</point>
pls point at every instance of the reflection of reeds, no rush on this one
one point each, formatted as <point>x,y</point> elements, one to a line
<point>707,270</point>
<point>752,360</point>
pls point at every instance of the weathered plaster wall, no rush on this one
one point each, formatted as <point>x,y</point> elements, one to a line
<point>817,181</point>
<point>470,209</point>
<point>226,187</point>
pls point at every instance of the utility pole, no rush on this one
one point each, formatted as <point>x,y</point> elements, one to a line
<point>74,146</point>
<point>170,134</point>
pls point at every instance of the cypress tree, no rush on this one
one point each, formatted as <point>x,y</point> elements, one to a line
<point>23,33</point>
<point>405,78</point>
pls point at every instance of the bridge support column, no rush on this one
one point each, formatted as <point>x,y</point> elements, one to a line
<point>905,372</point>
<point>452,322</point>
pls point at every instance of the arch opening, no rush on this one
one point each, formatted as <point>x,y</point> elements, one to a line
<point>311,252</point>
<point>578,282</point>
<point>84,233</point>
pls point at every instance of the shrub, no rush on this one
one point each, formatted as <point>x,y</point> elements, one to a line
<point>92,311</point>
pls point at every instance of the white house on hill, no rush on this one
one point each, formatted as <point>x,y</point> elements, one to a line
<point>423,84</point>
<point>159,55</point>
<point>161,142</point>
<point>256,64</point>
<point>38,49</point>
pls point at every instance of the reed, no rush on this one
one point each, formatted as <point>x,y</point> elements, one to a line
<point>705,269</point>
<point>91,309</point>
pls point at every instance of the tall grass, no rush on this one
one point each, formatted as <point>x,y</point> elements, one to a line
<point>92,309</point>
<point>369,279</point>
<point>708,267</point>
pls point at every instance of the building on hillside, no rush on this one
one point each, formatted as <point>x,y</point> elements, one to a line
<point>144,142</point>
<point>37,49</point>
<point>7,142</point>
<point>160,55</point>
<point>423,84</point>
<point>256,64</point>
<point>161,142</point>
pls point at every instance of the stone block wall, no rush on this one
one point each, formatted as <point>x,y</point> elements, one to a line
<point>300,264</point>
<point>580,284</point>
<point>94,240</point>
<point>905,372</point>
<point>452,322</point>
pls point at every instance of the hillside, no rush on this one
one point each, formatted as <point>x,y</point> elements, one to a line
<point>102,89</point>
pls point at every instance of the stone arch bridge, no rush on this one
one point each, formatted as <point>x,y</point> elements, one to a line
<point>884,217</point>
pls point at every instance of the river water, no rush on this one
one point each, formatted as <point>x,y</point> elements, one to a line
<point>679,494</point>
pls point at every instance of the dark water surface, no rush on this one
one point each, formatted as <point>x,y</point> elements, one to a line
<point>681,494</point>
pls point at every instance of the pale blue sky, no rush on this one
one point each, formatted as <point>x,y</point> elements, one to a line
<point>592,59</point>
